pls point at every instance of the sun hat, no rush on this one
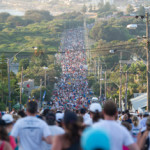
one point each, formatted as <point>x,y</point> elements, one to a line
<point>92,139</point>
<point>7,118</point>
<point>95,107</point>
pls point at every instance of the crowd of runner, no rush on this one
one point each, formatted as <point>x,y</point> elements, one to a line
<point>72,90</point>
<point>74,122</point>
<point>94,129</point>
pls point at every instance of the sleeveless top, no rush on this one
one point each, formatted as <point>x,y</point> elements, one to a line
<point>2,145</point>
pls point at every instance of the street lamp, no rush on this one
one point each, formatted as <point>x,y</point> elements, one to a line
<point>148,57</point>
<point>135,58</point>
<point>8,70</point>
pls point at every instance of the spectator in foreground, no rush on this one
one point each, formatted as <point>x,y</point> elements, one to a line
<point>71,138</point>
<point>31,130</point>
<point>118,134</point>
<point>4,138</point>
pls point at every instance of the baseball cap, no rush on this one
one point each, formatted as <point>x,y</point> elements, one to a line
<point>92,139</point>
<point>59,117</point>
<point>7,118</point>
<point>95,107</point>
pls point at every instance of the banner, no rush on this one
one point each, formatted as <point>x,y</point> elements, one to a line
<point>44,95</point>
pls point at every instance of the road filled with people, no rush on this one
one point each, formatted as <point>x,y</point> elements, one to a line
<point>72,90</point>
<point>75,121</point>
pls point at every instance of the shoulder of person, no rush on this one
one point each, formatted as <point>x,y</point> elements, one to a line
<point>98,124</point>
<point>7,146</point>
<point>58,138</point>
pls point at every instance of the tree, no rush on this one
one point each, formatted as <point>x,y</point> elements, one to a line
<point>107,7</point>
<point>23,63</point>
<point>3,17</point>
<point>141,10</point>
<point>3,76</point>
<point>15,21</point>
<point>84,9</point>
<point>36,93</point>
<point>90,8</point>
<point>129,9</point>
<point>100,5</point>
<point>38,16</point>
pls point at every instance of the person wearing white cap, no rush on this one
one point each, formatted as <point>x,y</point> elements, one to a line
<point>9,124</point>
<point>119,135</point>
<point>95,114</point>
<point>59,118</point>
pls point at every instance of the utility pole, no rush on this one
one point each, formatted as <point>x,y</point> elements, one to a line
<point>98,68</point>
<point>9,90</point>
<point>147,53</point>
<point>105,85</point>
<point>95,69</point>
<point>41,92</point>
<point>21,87</point>
<point>100,81</point>
<point>126,90</point>
<point>45,78</point>
<point>120,87</point>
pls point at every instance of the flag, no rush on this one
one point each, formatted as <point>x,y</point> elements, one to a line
<point>44,95</point>
<point>28,85</point>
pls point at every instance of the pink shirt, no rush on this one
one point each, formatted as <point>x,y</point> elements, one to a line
<point>12,142</point>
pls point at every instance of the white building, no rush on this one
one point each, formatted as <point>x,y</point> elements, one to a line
<point>139,102</point>
<point>110,1</point>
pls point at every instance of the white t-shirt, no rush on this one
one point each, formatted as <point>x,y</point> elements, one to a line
<point>55,130</point>
<point>30,130</point>
<point>118,134</point>
<point>135,131</point>
<point>89,122</point>
<point>143,122</point>
<point>86,117</point>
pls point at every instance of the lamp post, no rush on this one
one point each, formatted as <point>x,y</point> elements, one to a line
<point>9,92</point>
<point>21,87</point>
<point>41,92</point>
<point>8,70</point>
<point>148,57</point>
